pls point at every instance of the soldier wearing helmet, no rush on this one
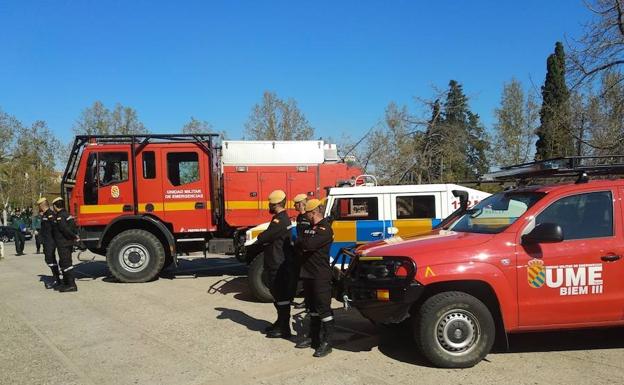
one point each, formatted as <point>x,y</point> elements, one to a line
<point>64,231</point>
<point>278,262</point>
<point>316,274</point>
<point>46,234</point>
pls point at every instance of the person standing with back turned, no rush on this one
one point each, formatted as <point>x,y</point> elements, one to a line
<point>278,262</point>
<point>64,231</point>
<point>46,234</point>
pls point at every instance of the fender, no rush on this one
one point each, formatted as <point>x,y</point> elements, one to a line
<point>147,219</point>
<point>476,271</point>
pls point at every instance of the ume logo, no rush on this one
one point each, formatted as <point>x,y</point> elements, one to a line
<point>569,279</point>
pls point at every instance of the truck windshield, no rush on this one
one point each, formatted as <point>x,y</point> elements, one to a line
<point>496,213</point>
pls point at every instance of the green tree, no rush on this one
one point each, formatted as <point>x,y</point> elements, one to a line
<point>478,146</point>
<point>515,125</point>
<point>464,141</point>
<point>554,134</point>
<point>277,119</point>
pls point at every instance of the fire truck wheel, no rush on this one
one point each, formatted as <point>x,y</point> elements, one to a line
<point>135,256</point>
<point>257,280</point>
<point>454,330</point>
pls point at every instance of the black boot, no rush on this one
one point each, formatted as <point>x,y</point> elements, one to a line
<point>57,278</point>
<point>312,340</point>
<point>69,283</point>
<point>270,328</point>
<point>282,329</point>
<point>326,336</point>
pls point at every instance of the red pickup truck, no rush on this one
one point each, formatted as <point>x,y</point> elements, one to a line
<point>530,258</point>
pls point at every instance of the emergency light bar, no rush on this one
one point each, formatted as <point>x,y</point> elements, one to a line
<point>570,166</point>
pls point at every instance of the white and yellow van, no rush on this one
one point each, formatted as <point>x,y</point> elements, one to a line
<point>370,213</point>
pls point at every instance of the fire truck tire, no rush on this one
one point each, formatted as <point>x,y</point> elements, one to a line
<point>135,256</point>
<point>454,330</point>
<point>257,280</point>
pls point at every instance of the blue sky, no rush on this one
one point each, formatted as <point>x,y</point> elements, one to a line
<point>343,61</point>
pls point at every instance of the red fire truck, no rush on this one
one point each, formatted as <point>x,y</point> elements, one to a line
<point>142,200</point>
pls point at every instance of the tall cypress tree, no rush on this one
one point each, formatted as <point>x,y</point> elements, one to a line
<point>554,134</point>
<point>455,127</point>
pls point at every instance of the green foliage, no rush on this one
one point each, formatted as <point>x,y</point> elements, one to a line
<point>277,119</point>
<point>28,156</point>
<point>451,145</point>
<point>554,134</point>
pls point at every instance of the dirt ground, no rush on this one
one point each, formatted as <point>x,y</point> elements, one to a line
<point>199,325</point>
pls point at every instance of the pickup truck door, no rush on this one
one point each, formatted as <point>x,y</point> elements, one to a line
<point>579,280</point>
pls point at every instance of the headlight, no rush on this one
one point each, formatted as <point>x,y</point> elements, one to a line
<point>385,268</point>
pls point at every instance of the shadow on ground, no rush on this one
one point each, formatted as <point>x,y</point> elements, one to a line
<point>187,268</point>
<point>355,334</point>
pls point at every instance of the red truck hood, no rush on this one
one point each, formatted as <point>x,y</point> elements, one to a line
<point>423,244</point>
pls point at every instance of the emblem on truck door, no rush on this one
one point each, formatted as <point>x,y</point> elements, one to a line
<point>115,192</point>
<point>574,279</point>
<point>536,273</point>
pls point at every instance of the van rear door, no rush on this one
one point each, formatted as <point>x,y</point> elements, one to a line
<point>415,213</point>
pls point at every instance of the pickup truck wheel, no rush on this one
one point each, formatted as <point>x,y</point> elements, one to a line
<point>454,330</point>
<point>135,256</point>
<point>5,239</point>
<point>258,279</point>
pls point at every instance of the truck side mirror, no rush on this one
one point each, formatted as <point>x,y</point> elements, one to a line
<point>463,198</point>
<point>544,233</point>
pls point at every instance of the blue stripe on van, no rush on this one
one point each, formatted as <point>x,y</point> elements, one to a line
<point>363,230</point>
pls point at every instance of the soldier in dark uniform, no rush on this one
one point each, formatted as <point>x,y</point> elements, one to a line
<point>316,274</point>
<point>17,223</point>
<point>48,221</point>
<point>278,262</point>
<point>302,224</point>
<point>35,221</point>
<point>64,231</point>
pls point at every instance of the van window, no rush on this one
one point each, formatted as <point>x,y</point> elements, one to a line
<point>182,168</point>
<point>112,167</point>
<point>360,208</point>
<point>149,165</point>
<point>415,206</point>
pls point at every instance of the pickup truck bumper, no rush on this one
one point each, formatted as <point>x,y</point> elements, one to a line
<point>385,305</point>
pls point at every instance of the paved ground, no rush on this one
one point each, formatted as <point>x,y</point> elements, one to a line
<point>199,325</point>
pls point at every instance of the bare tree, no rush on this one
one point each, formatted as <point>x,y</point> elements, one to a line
<point>196,126</point>
<point>602,45</point>
<point>99,120</point>
<point>517,118</point>
<point>125,121</point>
<point>276,119</point>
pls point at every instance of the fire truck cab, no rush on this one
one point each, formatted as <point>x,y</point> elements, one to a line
<point>142,200</point>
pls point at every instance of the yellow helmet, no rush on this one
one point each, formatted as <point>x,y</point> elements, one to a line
<point>41,200</point>
<point>277,196</point>
<point>300,198</point>
<point>312,204</point>
<point>57,199</point>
